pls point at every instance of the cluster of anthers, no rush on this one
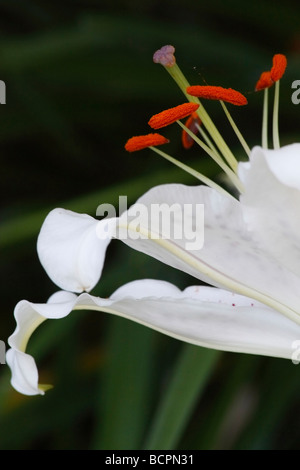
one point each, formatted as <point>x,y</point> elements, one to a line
<point>199,123</point>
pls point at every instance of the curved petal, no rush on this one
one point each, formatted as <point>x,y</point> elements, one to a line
<point>24,372</point>
<point>28,317</point>
<point>72,247</point>
<point>283,163</point>
<point>203,316</point>
<point>231,255</point>
<point>271,202</point>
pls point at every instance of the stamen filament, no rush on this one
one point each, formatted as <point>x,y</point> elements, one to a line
<point>218,139</point>
<point>208,140</point>
<point>235,128</point>
<point>215,156</point>
<point>231,174</point>
<point>276,142</point>
<point>183,84</point>
<point>204,179</point>
<point>264,138</point>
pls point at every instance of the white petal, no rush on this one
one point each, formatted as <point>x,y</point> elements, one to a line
<point>230,257</point>
<point>71,250</point>
<point>24,372</point>
<point>204,316</point>
<point>283,163</point>
<point>28,317</point>
<point>146,288</point>
<point>271,203</point>
<point>207,316</point>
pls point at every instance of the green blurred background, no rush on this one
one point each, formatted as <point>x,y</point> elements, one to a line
<point>80,81</point>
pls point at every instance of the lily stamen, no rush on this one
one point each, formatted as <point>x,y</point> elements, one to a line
<point>236,129</point>
<point>223,94</point>
<point>152,140</point>
<point>218,93</point>
<point>207,139</point>
<point>277,71</point>
<point>204,179</point>
<point>144,141</point>
<point>171,115</point>
<point>266,80</point>
<point>264,132</point>
<point>276,142</point>
<point>279,66</point>
<point>194,124</point>
<point>231,174</point>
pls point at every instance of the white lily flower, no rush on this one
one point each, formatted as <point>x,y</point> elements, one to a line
<point>251,245</point>
<point>250,254</point>
<point>199,315</point>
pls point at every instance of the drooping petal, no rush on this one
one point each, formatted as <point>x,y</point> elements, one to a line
<point>230,257</point>
<point>72,247</point>
<point>271,202</point>
<point>203,316</point>
<point>28,317</point>
<point>24,372</point>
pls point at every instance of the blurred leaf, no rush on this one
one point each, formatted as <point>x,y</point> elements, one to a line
<point>280,388</point>
<point>213,426</point>
<point>191,373</point>
<point>126,387</point>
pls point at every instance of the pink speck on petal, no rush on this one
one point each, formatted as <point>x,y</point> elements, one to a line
<point>165,56</point>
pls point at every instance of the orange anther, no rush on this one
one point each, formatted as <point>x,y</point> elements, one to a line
<point>218,93</point>
<point>265,81</point>
<point>268,78</point>
<point>143,141</point>
<point>191,123</point>
<point>172,115</point>
<point>279,66</point>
